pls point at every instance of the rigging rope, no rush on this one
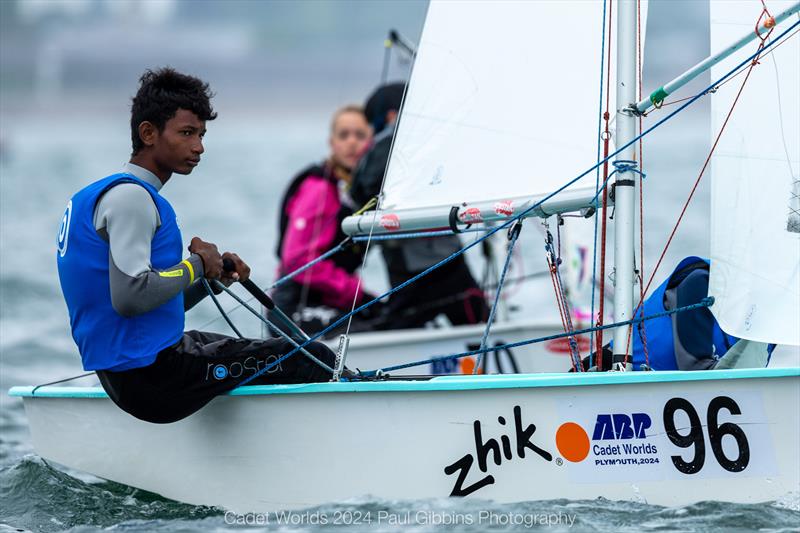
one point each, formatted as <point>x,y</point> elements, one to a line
<point>621,166</point>
<point>339,247</point>
<point>462,295</point>
<point>554,262</point>
<point>513,235</point>
<point>705,302</point>
<point>606,137</point>
<point>219,307</point>
<point>270,325</point>
<point>79,376</point>
<point>640,72</point>
<point>506,224</point>
<point>336,249</point>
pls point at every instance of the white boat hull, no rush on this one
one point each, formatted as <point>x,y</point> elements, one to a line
<point>279,447</point>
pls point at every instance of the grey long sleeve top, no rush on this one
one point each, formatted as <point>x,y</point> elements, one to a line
<point>127,218</point>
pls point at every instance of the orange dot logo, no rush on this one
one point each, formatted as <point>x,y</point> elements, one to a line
<point>573,442</point>
<point>468,365</point>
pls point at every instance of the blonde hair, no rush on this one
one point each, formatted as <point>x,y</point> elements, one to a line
<point>352,108</point>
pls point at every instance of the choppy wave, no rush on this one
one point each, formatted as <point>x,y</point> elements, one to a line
<point>39,497</point>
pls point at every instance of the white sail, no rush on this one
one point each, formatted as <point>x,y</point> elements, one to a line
<point>502,108</point>
<point>755,250</point>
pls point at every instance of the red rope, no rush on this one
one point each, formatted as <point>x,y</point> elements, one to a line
<point>641,187</point>
<point>769,22</point>
<point>641,193</point>
<point>607,135</point>
<point>559,300</point>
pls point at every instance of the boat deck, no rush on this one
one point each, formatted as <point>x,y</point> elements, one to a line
<point>450,383</point>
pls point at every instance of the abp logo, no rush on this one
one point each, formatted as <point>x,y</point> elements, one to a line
<point>621,426</point>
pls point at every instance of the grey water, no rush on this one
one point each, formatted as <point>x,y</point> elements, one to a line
<point>63,123</point>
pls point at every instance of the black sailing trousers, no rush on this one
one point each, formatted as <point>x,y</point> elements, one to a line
<point>189,374</point>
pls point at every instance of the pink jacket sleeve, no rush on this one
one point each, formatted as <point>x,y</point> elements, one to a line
<point>310,232</point>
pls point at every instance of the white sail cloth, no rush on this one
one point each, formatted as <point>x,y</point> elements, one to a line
<point>755,258</point>
<point>502,104</point>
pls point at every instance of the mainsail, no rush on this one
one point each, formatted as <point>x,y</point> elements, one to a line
<point>501,110</point>
<point>755,244</point>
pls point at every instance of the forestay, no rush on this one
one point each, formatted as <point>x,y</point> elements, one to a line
<point>501,109</point>
<point>755,242</point>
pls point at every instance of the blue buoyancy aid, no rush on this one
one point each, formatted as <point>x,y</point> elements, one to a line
<point>659,333</point>
<point>107,340</point>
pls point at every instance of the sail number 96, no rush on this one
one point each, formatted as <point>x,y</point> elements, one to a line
<point>716,431</point>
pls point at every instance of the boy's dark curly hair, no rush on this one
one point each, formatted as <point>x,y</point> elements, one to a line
<point>161,94</point>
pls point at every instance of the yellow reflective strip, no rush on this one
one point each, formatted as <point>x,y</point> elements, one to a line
<point>190,268</point>
<point>171,273</point>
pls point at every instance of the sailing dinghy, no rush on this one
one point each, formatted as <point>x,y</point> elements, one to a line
<point>668,438</point>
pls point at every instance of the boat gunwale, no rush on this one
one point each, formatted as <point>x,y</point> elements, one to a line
<point>454,383</point>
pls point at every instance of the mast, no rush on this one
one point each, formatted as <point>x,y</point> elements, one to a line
<point>624,185</point>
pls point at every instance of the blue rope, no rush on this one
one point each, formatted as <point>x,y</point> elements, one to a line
<point>620,166</point>
<point>269,325</point>
<point>280,281</point>
<point>573,344</point>
<point>597,174</point>
<point>515,231</point>
<point>521,215</point>
<point>392,236</point>
<point>339,247</point>
<point>705,302</point>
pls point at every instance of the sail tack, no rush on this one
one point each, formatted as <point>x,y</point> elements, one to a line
<point>755,247</point>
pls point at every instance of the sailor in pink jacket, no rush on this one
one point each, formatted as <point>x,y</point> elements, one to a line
<point>312,210</point>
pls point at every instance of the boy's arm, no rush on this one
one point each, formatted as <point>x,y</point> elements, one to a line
<point>127,218</point>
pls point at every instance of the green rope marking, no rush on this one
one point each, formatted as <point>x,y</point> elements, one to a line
<point>658,96</point>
